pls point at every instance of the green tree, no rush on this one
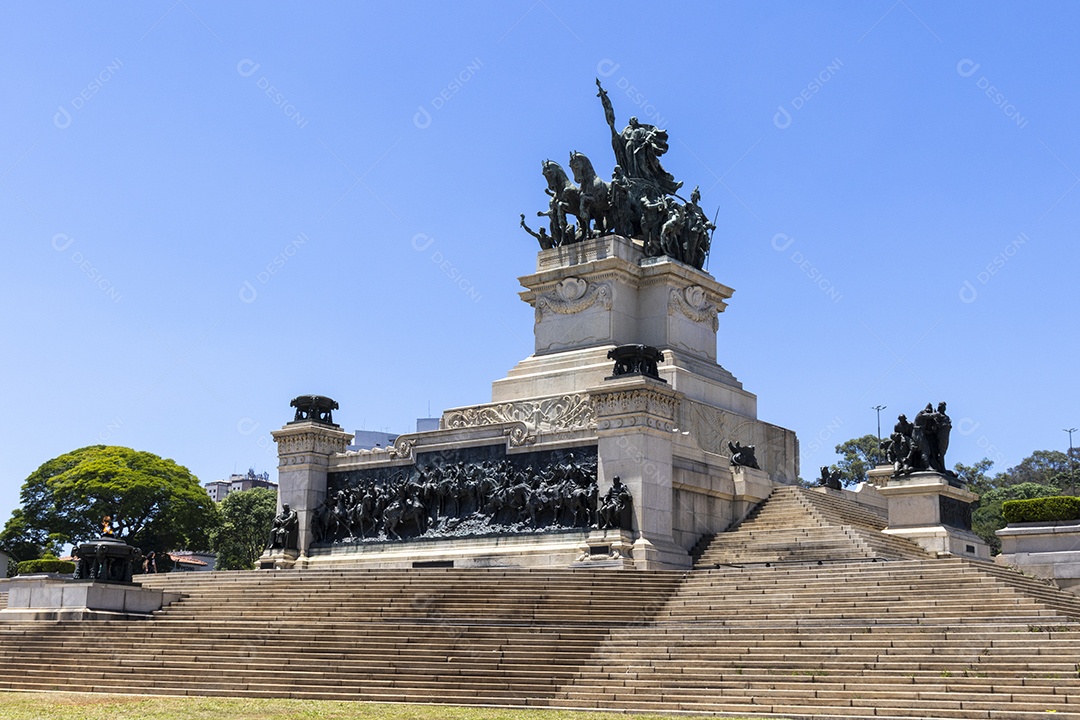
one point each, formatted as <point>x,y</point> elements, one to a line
<point>155,503</point>
<point>975,477</point>
<point>986,515</point>
<point>857,457</point>
<point>245,528</point>
<point>1042,467</point>
<point>1042,474</point>
<point>24,542</point>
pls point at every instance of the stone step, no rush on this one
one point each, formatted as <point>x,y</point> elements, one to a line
<point>886,632</point>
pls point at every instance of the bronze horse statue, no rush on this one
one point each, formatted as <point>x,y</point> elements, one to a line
<point>565,198</point>
<point>594,204</point>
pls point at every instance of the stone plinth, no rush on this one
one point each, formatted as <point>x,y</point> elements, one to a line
<point>593,296</point>
<point>45,598</point>
<point>880,475</point>
<point>635,435</point>
<point>607,549</point>
<point>925,508</point>
<point>304,450</point>
<point>278,559</point>
<point>603,293</point>
<point>1048,550</point>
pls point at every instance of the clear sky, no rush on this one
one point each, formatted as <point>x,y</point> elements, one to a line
<point>210,208</point>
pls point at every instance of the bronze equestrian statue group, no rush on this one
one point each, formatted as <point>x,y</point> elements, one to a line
<point>639,202</point>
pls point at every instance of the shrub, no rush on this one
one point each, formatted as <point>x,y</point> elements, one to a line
<point>1047,509</point>
<point>46,565</point>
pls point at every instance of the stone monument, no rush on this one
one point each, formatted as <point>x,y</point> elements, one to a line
<point>101,587</point>
<point>623,382</point>
<point>927,502</point>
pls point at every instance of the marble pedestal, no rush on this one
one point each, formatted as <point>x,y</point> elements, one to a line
<point>1049,550</point>
<point>278,559</point>
<point>45,598</point>
<point>304,452</point>
<point>926,509</point>
<point>635,418</point>
<point>607,549</point>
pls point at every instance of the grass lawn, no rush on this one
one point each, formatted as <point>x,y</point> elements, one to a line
<point>97,706</point>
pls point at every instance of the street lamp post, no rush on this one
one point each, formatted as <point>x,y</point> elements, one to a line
<point>879,408</point>
<point>1072,460</point>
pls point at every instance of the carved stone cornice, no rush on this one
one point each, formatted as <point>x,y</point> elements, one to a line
<point>310,439</point>
<point>572,295</point>
<point>638,404</point>
<point>693,303</point>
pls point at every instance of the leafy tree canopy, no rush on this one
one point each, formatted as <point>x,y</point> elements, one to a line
<point>857,457</point>
<point>975,476</point>
<point>245,528</point>
<point>155,503</point>
<point>986,515</point>
<point>1041,467</point>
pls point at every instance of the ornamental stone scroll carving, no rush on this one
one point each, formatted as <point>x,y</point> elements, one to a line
<point>401,449</point>
<point>693,303</point>
<point>573,295</point>
<point>565,412</point>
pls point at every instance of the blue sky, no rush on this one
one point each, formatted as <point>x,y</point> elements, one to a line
<point>208,209</point>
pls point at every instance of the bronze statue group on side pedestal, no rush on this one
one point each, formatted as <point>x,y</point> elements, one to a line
<point>920,445</point>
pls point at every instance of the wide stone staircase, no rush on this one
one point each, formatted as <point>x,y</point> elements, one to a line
<point>426,635</point>
<point>797,525</point>
<point>847,623</point>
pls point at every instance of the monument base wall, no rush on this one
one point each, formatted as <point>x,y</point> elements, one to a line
<point>1048,550</point>
<point>499,483</point>
<point>539,550</point>
<point>926,508</point>
<point>46,598</point>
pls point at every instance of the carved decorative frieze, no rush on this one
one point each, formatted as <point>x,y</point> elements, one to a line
<point>637,407</point>
<point>693,303</point>
<point>564,412</point>
<point>573,295</point>
<point>290,443</point>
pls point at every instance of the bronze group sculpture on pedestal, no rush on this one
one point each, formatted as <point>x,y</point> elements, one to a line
<point>640,201</point>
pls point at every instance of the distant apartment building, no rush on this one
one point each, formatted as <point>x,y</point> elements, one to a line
<point>219,489</point>
<point>371,439</point>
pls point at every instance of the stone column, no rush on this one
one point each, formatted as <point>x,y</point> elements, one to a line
<point>926,508</point>
<point>635,422</point>
<point>304,450</point>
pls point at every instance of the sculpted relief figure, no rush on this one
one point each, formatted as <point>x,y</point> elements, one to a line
<point>459,499</point>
